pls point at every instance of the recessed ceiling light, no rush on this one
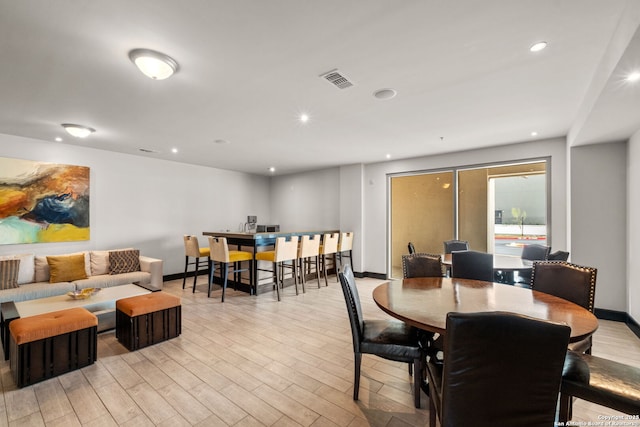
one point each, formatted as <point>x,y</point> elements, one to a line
<point>534,133</point>
<point>385,93</point>
<point>155,65</point>
<point>272,169</point>
<point>388,156</point>
<point>174,150</point>
<point>78,131</point>
<point>537,47</point>
<point>304,118</point>
<point>221,141</point>
<point>633,77</point>
<point>58,139</point>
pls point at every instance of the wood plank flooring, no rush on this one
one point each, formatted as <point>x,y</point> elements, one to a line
<point>248,362</point>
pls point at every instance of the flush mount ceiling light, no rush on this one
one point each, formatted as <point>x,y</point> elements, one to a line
<point>633,77</point>
<point>78,131</point>
<point>155,65</point>
<point>537,47</point>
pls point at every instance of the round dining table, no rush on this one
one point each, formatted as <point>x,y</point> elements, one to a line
<point>424,302</point>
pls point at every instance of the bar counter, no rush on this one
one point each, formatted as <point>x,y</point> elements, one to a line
<point>257,242</point>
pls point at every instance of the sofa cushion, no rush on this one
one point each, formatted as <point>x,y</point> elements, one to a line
<point>66,268</point>
<point>125,261</point>
<point>26,273</point>
<point>9,273</point>
<point>109,280</point>
<point>99,262</point>
<point>36,290</point>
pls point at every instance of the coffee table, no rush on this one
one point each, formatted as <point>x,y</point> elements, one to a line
<point>102,304</point>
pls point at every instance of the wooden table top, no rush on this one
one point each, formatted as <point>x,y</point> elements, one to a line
<point>501,262</point>
<point>425,301</point>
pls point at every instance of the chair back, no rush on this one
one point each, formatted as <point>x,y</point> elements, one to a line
<point>558,256</point>
<point>535,252</point>
<point>421,265</point>
<point>412,249</point>
<point>352,299</point>
<point>191,246</point>
<point>455,245</point>
<point>490,372</point>
<point>330,243</point>
<point>346,242</point>
<point>472,265</point>
<point>568,281</point>
<point>309,246</point>
<point>218,249</point>
<point>286,250</point>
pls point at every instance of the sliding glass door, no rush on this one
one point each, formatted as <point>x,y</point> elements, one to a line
<point>496,208</point>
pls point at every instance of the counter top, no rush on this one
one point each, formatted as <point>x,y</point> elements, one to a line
<point>265,235</point>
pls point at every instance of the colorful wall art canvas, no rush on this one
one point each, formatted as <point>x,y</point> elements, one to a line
<point>43,202</point>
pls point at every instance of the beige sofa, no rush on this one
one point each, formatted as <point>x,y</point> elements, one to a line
<point>34,278</point>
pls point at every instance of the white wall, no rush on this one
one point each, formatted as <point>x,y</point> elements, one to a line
<point>375,189</point>
<point>306,201</point>
<point>633,226</point>
<point>599,218</point>
<point>147,203</point>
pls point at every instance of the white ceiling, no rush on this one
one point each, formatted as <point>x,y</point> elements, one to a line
<point>463,71</point>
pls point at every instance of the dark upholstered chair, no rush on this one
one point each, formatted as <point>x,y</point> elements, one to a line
<point>421,265</point>
<point>411,248</point>
<point>455,245</point>
<point>389,339</point>
<point>491,377</point>
<point>601,381</point>
<point>472,265</point>
<point>532,252</point>
<point>568,281</point>
<point>558,256</point>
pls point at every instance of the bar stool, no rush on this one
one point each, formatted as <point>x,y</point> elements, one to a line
<point>220,253</point>
<point>345,244</point>
<point>284,251</point>
<point>328,247</point>
<point>308,253</point>
<point>192,249</point>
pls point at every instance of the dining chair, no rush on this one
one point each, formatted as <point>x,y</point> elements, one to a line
<point>558,256</point>
<point>568,281</point>
<point>472,265</point>
<point>329,248</point>
<point>455,245</point>
<point>532,252</point>
<point>193,250</point>
<point>285,251</point>
<point>491,377</point>
<point>309,253</point>
<point>421,265</point>
<point>387,338</point>
<point>220,253</point>
<point>345,246</point>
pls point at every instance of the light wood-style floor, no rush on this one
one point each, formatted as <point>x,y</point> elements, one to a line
<point>250,361</point>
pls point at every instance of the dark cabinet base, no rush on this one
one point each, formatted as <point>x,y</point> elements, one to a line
<point>147,329</point>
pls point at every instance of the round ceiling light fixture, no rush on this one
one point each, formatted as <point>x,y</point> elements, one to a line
<point>385,93</point>
<point>155,65</point>
<point>78,131</point>
<point>537,47</point>
<point>633,77</point>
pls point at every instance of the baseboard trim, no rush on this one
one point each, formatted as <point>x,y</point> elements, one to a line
<point>619,316</point>
<point>372,275</point>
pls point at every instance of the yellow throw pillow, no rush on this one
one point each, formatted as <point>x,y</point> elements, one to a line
<point>66,268</point>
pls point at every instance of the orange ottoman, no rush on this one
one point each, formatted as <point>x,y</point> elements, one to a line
<point>148,319</point>
<point>51,344</point>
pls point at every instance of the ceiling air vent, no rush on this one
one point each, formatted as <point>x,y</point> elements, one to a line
<point>146,150</point>
<point>337,79</point>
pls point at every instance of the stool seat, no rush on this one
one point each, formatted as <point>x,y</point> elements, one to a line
<point>266,256</point>
<point>148,303</point>
<point>601,381</point>
<point>41,326</point>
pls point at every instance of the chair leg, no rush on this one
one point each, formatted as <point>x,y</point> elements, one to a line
<point>324,269</point>
<point>335,266</point>
<point>212,269</point>
<point>564,412</point>
<point>318,269</point>
<point>417,363</point>
<point>225,271</point>
<point>186,265</point>
<point>195,273</point>
<point>275,270</point>
<point>357,358</point>
<point>432,412</point>
<point>294,273</point>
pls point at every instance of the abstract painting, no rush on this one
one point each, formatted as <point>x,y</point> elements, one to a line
<point>43,202</point>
